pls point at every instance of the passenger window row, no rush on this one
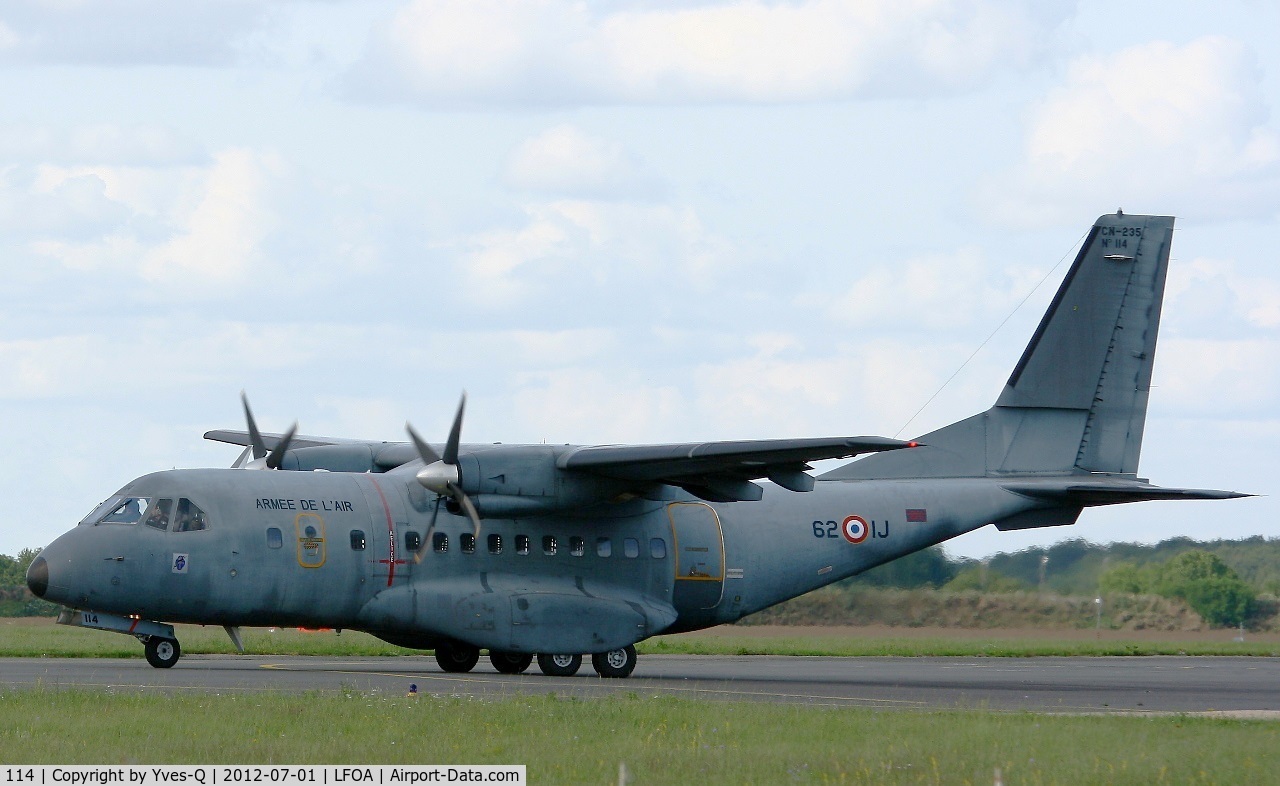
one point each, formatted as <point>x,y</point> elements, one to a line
<point>523,544</point>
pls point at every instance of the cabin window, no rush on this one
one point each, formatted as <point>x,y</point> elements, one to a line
<point>275,539</point>
<point>158,515</point>
<point>189,518</point>
<point>522,544</point>
<point>657,548</point>
<point>467,542</point>
<point>495,544</point>
<point>412,541</point>
<point>440,542</point>
<point>119,510</point>
<point>358,541</point>
<point>549,545</point>
<point>630,548</point>
<point>577,546</point>
<point>604,547</point>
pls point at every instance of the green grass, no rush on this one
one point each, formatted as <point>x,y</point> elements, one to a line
<point>661,740</point>
<point>993,646</point>
<point>46,640</point>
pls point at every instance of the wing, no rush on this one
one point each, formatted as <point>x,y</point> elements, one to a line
<point>271,440</point>
<point>722,471</point>
<point>333,453</point>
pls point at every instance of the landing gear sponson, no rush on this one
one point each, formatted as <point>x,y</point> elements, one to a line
<point>457,658</point>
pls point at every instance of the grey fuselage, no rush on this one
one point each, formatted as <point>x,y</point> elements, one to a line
<point>711,563</point>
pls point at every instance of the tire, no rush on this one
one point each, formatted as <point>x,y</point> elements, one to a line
<point>559,665</point>
<point>457,658</point>
<point>162,653</point>
<point>615,663</point>
<point>510,662</point>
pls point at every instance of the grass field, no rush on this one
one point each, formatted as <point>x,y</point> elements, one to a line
<point>661,740</point>
<point>29,637</point>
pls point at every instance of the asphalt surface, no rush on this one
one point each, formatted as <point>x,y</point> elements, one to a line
<point>1242,686</point>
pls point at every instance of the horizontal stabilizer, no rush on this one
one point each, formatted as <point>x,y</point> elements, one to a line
<point>1114,493</point>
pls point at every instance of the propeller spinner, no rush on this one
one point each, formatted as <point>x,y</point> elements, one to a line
<point>440,473</point>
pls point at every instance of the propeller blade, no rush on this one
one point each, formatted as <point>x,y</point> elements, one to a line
<point>465,503</point>
<point>455,434</point>
<point>255,437</point>
<point>431,528</point>
<point>277,456</point>
<point>425,452</point>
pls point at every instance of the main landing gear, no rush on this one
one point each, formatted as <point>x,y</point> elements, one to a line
<point>614,664</point>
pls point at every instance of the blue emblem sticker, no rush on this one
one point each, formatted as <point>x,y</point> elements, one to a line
<point>180,563</point>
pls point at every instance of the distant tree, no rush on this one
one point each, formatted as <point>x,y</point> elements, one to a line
<point>927,568</point>
<point>1201,579</point>
<point>1127,578</point>
<point>975,578</point>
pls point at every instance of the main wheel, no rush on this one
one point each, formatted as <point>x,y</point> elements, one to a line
<point>162,653</point>
<point>615,663</point>
<point>559,665</point>
<point>510,662</point>
<point>457,657</point>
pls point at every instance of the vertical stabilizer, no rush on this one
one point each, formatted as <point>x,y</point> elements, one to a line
<point>1093,353</point>
<point>1077,399</point>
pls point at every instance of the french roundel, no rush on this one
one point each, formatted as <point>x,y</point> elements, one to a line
<point>855,529</point>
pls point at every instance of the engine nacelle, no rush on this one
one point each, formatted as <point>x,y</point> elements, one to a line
<point>515,482</point>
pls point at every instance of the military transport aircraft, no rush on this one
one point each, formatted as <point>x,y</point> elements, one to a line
<point>557,552</point>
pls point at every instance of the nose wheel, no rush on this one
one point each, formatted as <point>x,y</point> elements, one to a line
<point>162,653</point>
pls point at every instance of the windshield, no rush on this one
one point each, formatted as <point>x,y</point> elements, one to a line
<point>118,510</point>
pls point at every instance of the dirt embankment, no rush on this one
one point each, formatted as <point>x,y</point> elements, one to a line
<point>985,611</point>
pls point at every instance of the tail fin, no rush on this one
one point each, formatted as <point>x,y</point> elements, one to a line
<point>1077,400</point>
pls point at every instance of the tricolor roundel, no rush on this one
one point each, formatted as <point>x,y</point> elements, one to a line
<point>855,529</point>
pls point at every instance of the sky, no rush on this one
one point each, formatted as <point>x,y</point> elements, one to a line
<point>618,222</point>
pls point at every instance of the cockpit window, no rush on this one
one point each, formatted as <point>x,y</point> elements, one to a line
<point>119,510</point>
<point>158,515</point>
<point>189,518</point>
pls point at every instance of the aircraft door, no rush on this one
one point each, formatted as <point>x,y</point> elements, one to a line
<point>699,557</point>
<point>388,524</point>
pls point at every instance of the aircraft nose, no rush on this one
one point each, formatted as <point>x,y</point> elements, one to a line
<point>38,577</point>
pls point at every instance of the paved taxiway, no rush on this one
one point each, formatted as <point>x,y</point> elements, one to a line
<point>1132,684</point>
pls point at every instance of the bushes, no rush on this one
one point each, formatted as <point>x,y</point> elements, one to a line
<point>1197,577</point>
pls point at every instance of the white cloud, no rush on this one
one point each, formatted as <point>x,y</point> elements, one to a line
<point>103,143</point>
<point>188,224</point>
<point>127,32</point>
<point>938,291</point>
<point>589,407</point>
<point>567,244</point>
<point>220,238</point>
<point>1155,126</point>
<point>564,161</point>
<point>1211,377</point>
<point>514,52</point>
<point>1204,293</point>
<point>76,205</point>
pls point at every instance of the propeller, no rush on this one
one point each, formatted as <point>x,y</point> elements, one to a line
<point>440,473</point>
<point>261,458</point>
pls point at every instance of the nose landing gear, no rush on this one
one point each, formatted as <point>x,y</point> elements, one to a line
<point>161,653</point>
<point>159,643</point>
